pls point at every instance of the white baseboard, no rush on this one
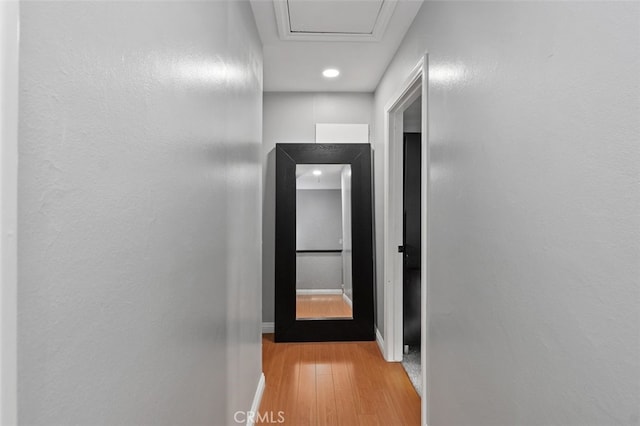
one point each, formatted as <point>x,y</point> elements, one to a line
<point>319,291</point>
<point>257,398</point>
<point>347,300</point>
<point>380,342</point>
<point>268,327</point>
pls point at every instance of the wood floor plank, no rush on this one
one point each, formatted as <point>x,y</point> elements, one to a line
<point>305,413</point>
<point>368,420</point>
<point>324,358</point>
<point>347,383</point>
<point>322,306</point>
<point>280,393</point>
<point>346,407</point>
<point>327,412</point>
<point>363,377</point>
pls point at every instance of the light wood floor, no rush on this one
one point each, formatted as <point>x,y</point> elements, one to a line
<point>322,306</point>
<point>336,384</point>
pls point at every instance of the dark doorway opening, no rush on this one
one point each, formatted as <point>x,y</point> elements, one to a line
<point>411,240</point>
<point>411,245</point>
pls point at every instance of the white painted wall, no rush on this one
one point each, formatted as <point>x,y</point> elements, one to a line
<point>347,248</point>
<point>342,133</point>
<point>534,225</point>
<point>9,32</point>
<point>318,227</point>
<point>318,271</point>
<point>139,213</point>
<point>318,219</point>
<point>291,117</point>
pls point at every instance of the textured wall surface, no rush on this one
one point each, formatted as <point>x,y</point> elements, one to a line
<point>291,117</point>
<point>534,234</point>
<point>139,213</point>
<point>9,77</point>
<point>318,219</point>
<point>319,271</point>
<point>318,227</point>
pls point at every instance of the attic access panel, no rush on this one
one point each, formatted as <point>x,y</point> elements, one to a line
<point>333,20</point>
<point>327,16</point>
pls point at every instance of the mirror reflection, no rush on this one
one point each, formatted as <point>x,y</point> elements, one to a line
<point>323,241</point>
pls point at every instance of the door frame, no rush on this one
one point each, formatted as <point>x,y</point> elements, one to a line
<point>9,49</point>
<point>415,85</point>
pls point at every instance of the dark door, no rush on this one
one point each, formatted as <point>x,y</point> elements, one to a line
<point>411,239</point>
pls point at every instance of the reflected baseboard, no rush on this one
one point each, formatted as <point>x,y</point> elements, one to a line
<point>347,300</point>
<point>318,291</point>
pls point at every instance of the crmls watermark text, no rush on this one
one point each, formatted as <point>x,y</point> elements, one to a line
<point>253,417</point>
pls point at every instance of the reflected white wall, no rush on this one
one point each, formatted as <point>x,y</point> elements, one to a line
<point>347,270</point>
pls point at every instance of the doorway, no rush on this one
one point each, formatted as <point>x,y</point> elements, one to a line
<point>411,232</point>
<point>413,88</point>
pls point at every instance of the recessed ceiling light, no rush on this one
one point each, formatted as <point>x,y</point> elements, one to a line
<point>317,172</point>
<point>331,73</point>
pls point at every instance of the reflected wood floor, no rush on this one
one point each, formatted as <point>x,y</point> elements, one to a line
<point>322,306</point>
<point>334,384</point>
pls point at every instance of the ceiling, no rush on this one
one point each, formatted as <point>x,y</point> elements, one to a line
<point>301,38</point>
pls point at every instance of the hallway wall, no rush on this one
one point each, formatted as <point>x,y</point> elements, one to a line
<point>9,54</point>
<point>534,232</point>
<point>318,227</point>
<point>139,213</point>
<point>318,219</point>
<point>291,117</point>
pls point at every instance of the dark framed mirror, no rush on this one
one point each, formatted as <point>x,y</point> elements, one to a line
<point>324,289</point>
